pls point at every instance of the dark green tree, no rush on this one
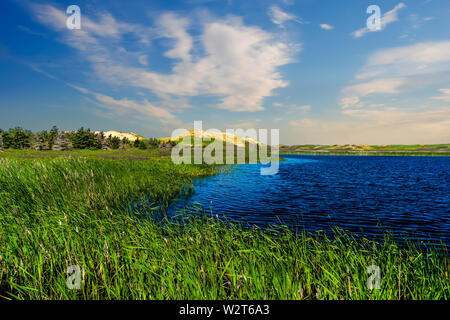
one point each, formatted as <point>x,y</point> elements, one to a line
<point>84,139</point>
<point>17,138</point>
<point>113,142</point>
<point>142,145</point>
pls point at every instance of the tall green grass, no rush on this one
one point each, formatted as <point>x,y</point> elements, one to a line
<point>61,212</point>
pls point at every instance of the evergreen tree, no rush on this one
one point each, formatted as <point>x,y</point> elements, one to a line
<point>84,139</point>
<point>113,142</point>
<point>142,145</point>
<point>17,138</point>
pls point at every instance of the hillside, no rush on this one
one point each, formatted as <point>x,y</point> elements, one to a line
<point>211,136</point>
<point>131,136</point>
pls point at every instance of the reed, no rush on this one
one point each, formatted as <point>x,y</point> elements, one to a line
<point>56,213</point>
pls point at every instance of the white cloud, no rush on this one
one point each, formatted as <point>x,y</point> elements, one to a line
<point>229,60</point>
<point>418,59</point>
<point>391,71</point>
<point>387,18</point>
<point>387,126</point>
<point>280,17</point>
<point>173,27</point>
<point>445,95</point>
<point>125,106</point>
<point>244,125</point>
<point>421,53</point>
<point>352,94</point>
<point>325,26</point>
<point>350,102</point>
<point>394,117</point>
<point>305,123</point>
<point>416,21</point>
<point>296,109</point>
<point>305,108</point>
<point>388,85</point>
<point>394,71</point>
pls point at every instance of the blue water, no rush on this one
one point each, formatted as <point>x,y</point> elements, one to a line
<point>361,194</point>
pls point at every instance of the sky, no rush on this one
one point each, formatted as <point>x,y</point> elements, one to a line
<point>310,68</point>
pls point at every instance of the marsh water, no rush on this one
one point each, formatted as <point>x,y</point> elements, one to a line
<point>361,194</point>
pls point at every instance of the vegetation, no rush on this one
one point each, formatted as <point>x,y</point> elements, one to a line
<point>21,139</point>
<point>387,150</point>
<point>85,139</point>
<point>96,213</point>
<point>16,138</point>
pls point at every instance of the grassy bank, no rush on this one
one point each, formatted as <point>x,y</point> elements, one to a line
<point>56,213</point>
<point>370,153</point>
<point>433,150</point>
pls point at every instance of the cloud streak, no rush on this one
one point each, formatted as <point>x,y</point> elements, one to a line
<point>230,61</point>
<point>390,71</point>
<point>279,17</point>
<point>386,19</point>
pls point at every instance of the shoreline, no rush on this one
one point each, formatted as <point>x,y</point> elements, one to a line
<point>369,153</point>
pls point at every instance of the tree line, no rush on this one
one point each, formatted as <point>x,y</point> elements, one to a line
<point>54,139</point>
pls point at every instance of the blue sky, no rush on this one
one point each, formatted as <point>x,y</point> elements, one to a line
<point>307,67</point>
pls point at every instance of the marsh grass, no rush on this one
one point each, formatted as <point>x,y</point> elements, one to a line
<point>55,213</point>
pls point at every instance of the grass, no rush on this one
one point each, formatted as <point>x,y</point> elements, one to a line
<point>365,150</point>
<point>133,154</point>
<point>59,212</point>
<point>370,153</point>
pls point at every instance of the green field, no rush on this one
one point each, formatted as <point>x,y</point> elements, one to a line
<point>59,209</point>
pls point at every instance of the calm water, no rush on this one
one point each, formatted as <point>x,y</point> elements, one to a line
<point>359,194</point>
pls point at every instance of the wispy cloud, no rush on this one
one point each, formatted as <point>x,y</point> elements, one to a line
<point>229,60</point>
<point>325,26</point>
<point>420,58</point>
<point>387,85</point>
<point>280,17</point>
<point>445,95</point>
<point>305,123</point>
<point>31,32</point>
<point>126,106</point>
<point>386,19</point>
<point>390,71</point>
<point>383,126</point>
<point>305,108</point>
